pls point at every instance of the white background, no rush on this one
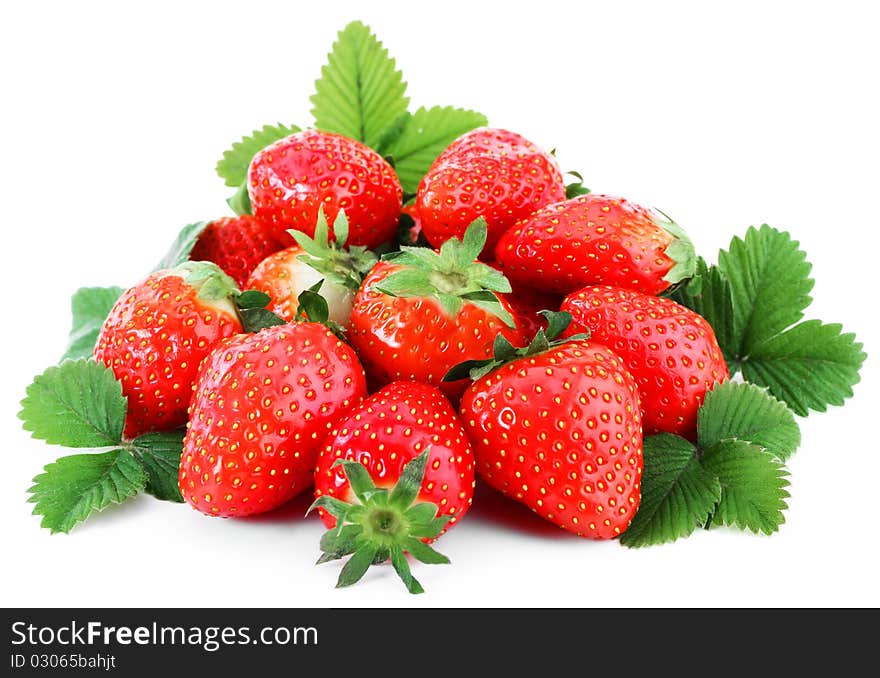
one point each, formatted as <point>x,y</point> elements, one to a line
<point>112,120</point>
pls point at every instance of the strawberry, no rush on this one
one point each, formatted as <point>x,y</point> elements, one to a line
<point>290,179</point>
<point>670,350</point>
<point>157,334</point>
<point>237,245</point>
<point>285,275</point>
<point>388,430</point>
<point>596,239</point>
<point>558,428</point>
<point>261,406</point>
<point>489,173</point>
<point>420,312</point>
<point>366,459</point>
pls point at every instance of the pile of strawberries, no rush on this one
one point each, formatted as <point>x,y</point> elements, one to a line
<point>439,350</point>
<point>393,318</point>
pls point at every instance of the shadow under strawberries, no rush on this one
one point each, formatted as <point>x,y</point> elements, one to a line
<point>493,508</point>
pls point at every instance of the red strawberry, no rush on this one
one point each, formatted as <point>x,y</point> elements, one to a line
<point>157,334</point>
<point>670,350</point>
<point>288,273</point>
<point>423,312</point>
<point>261,407</point>
<point>596,239</point>
<point>489,173</point>
<point>237,245</point>
<point>388,430</point>
<point>290,179</point>
<point>559,430</point>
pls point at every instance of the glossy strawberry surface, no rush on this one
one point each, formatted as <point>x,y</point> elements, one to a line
<point>388,430</point>
<point>290,179</point>
<point>154,339</point>
<point>588,240</point>
<point>670,350</point>
<point>561,433</point>
<point>490,173</point>
<point>261,408</point>
<point>414,338</point>
<point>237,245</point>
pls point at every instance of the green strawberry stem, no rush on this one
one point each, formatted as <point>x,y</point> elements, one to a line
<point>505,352</point>
<point>382,525</point>
<point>346,266</point>
<point>452,276</point>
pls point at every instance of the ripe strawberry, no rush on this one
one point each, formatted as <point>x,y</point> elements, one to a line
<point>237,245</point>
<point>596,239</point>
<point>421,312</point>
<point>285,275</point>
<point>157,334</point>
<point>388,430</point>
<point>261,407</point>
<point>489,173</point>
<point>290,179</point>
<point>670,350</point>
<point>559,430</point>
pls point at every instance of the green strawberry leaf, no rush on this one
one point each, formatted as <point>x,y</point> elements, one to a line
<point>748,413</point>
<point>732,476</point>
<point>74,487</point>
<point>233,166</point>
<point>360,92</point>
<point>76,404</point>
<point>159,456</point>
<point>678,493</point>
<point>752,299</point>
<point>422,136</point>
<point>770,284</point>
<point>753,483</point>
<point>240,201</point>
<point>810,366</point>
<point>182,246</point>
<point>90,307</point>
<point>708,294</point>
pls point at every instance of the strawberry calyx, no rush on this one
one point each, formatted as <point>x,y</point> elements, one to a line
<point>505,352</point>
<point>346,266</point>
<point>313,307</point>
<point>383,524</point>
<point>680,250</point>
<point>208,279</point>
<point>452,275</point>
<point>252,311</point>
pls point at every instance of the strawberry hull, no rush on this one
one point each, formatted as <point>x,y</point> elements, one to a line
<point>387,431</point>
